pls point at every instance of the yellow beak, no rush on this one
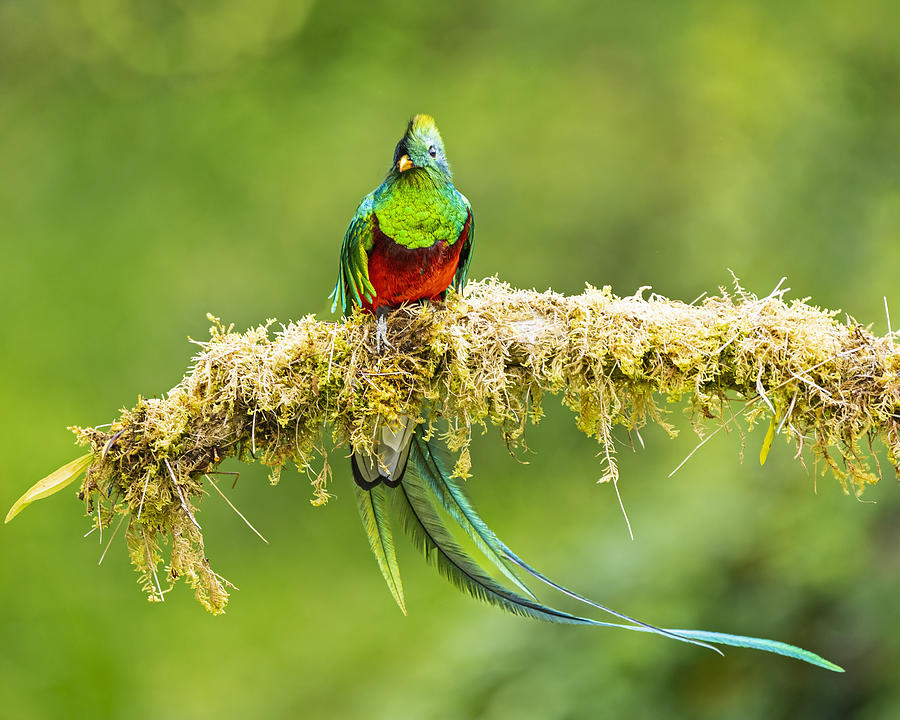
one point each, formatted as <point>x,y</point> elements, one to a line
<point>404,163</point>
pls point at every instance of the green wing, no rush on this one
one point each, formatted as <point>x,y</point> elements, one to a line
<point>353,270</point>
<point>465,255</point>
<point>373,511</point>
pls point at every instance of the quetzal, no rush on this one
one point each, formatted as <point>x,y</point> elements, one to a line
<point>409,241</point>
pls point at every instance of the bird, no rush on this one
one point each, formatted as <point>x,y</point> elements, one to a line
<point>411,237</point>
<point>410,241</point>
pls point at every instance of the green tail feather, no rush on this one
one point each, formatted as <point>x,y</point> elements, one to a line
<point>544,579</point>
<point>373,510</point>
<point>422,524</point>
<point>454,499</point>
<point>702,636</point>
<point>421,521</point>
<point>455,502</point>
<point>772,646</point>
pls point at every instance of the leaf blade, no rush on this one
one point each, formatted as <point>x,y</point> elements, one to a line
<point>767,442</point>
<point>51,484</point>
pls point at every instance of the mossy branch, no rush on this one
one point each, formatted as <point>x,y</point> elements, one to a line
<point>490,357</point>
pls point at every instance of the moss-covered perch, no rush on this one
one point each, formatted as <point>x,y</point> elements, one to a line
<point>489,357</point>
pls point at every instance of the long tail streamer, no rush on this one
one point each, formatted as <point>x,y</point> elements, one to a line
<point>433,477</point>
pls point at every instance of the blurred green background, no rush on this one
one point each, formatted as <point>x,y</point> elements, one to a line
<point>163,160</point>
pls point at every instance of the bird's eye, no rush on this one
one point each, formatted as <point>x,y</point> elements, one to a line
<point>432,151</point>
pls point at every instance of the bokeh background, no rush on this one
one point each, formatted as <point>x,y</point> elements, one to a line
<point>162,160</point>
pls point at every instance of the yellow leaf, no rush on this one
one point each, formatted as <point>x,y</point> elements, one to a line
<point>767,442</point>
<point>53,483</point>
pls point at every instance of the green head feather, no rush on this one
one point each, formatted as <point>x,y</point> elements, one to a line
<point>423,145</point>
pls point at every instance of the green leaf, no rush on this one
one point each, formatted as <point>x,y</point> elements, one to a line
<point>51,484</point>
<point>767,442</point>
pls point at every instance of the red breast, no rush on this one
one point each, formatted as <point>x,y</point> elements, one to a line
<point>400,274</point>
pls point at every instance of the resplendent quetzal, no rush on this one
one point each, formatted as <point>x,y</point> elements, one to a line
<point>410,240</point>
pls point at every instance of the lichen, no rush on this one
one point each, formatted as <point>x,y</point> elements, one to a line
<point>489,358</point>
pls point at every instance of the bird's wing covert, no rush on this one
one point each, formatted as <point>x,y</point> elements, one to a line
<point>353,270</point>
<point>465,254</point>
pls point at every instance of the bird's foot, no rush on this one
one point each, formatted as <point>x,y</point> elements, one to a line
<point>381,330</point>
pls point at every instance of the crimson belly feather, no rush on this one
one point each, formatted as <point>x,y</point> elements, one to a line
<point>400,274</point>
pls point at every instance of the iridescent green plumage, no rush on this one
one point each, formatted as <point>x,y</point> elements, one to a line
<point>438,478</point>
<point>409,240</point>
<point>415,208</point>
<point>428,533</point>
<point>432,479</point>
<point>373,510</point>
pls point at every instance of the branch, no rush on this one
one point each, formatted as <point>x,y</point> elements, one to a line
<point>489,357</point>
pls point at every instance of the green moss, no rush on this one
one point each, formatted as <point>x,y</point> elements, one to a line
<point>487,359</point>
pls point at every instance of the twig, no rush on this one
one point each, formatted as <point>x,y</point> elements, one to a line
<point>152,565</point>
<point>622,506</point>
<point>240,514</point>
<point>184,504</point>
<point>112,537</point>
<point>143,495</point>
<point>887,314</point>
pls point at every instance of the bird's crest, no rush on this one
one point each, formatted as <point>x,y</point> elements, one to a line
<point>421,124</point>
<point>424,128</point>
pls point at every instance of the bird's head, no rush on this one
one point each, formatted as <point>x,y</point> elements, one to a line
<point>421,147</point>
